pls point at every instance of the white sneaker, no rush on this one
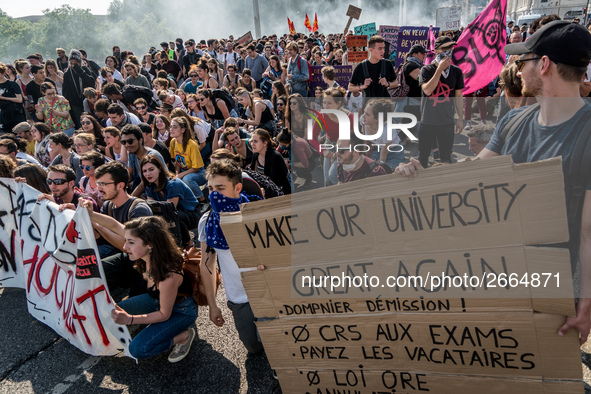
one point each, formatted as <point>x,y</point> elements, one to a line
<point>180,351</point>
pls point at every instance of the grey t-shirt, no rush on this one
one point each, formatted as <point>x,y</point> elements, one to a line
<point>533,142</point>
<point>121,213</point>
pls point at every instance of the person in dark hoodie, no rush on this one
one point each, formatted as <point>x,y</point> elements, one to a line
<point>76,79</point>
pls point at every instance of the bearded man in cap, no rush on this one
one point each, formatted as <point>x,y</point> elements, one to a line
<point>551,66</point>
<point>76,79</point>
<point>441,84</point>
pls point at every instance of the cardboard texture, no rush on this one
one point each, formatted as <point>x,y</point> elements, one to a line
<point>477,218</point>
<point>522,344</point>
<point>298,381</point>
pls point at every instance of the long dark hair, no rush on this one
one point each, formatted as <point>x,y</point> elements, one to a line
<point>265,137</point>
<point>36,177</point>
<point>164,174</point>
<point>187,130</point>
<point>165,256</point>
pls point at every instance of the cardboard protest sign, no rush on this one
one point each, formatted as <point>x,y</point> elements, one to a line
<point>449,18</point>
<point>342,76</point>
<point>368,30</point>
<point>480,52</point>
<point>479,219</point>
<point>409,36</point>
<point>356,49</point>
<point>53,256</point>
<point>245,39</point>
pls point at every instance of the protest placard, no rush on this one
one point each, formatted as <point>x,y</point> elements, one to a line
<point>449,18</point>
<point>342,76</point>
<point>409,36</point>
<point>53,256</point>
<point>245,39</point>
<point>390,35</point>
<point>356,49</point>
<point>479,219</point>
<point>368,30</point>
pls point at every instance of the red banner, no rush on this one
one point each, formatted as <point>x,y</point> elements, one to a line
<point>307,23</point>
<point>315,27</point>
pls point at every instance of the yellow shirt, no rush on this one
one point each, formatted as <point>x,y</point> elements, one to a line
<point>31,148</point>
<point>188,158</point>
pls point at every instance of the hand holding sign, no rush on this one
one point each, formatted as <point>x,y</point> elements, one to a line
<point>410,169</point>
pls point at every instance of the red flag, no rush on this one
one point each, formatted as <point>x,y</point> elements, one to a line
<point>307,23</point>
<point>291,26</point>
<point>315,27</point>
<point>480,52</point>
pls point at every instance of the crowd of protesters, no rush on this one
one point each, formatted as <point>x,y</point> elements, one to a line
<point>199,127</point>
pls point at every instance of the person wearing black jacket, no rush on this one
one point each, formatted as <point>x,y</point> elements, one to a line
<point>76,79</point>
<point>267,161</point>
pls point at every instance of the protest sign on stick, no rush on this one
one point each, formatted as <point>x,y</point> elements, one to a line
<point>353,13</point>
<point>449,18</point>
<point>53,256</point>
<point>245,39</point>
<point>482,219</point>
<point>356,49</point>
<point>368,30</point>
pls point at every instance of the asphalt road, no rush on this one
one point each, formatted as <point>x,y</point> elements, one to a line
<point>34,359</point>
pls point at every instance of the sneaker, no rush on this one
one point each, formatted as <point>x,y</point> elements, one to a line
<point>180,351</point>
<point>468,125</point>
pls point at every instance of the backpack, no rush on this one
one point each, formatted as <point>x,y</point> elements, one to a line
<point>164,209</point>
<point>266,86</point>
<point>365,69</point>
<point>579,169</point>
<point>309,68</point>
<point>192,267</point>
<point>270,188</point>
<point>402,89</point>
<point>135,202</point>
<point>133,92</point>
<point>223,94</point>
<point>167,211</point>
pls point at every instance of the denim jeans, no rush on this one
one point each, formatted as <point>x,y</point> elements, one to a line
<point>330,172</point>
<point>195,180</point>
<point>393,158</point>
<point>157,338</point>
<point>70,132</point>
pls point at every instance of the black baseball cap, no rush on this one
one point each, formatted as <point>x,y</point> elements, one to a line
<point>562,41</point>
<point>417,49</point>
<point>444,41</point>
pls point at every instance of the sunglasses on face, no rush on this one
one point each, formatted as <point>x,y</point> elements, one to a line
<point>57,182</point>
<point>87,168</point>
<point>86,122</point>
<point>193,76</point>
<point>141,108</point>
<point>128,142</point>
<point>521,62</point>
